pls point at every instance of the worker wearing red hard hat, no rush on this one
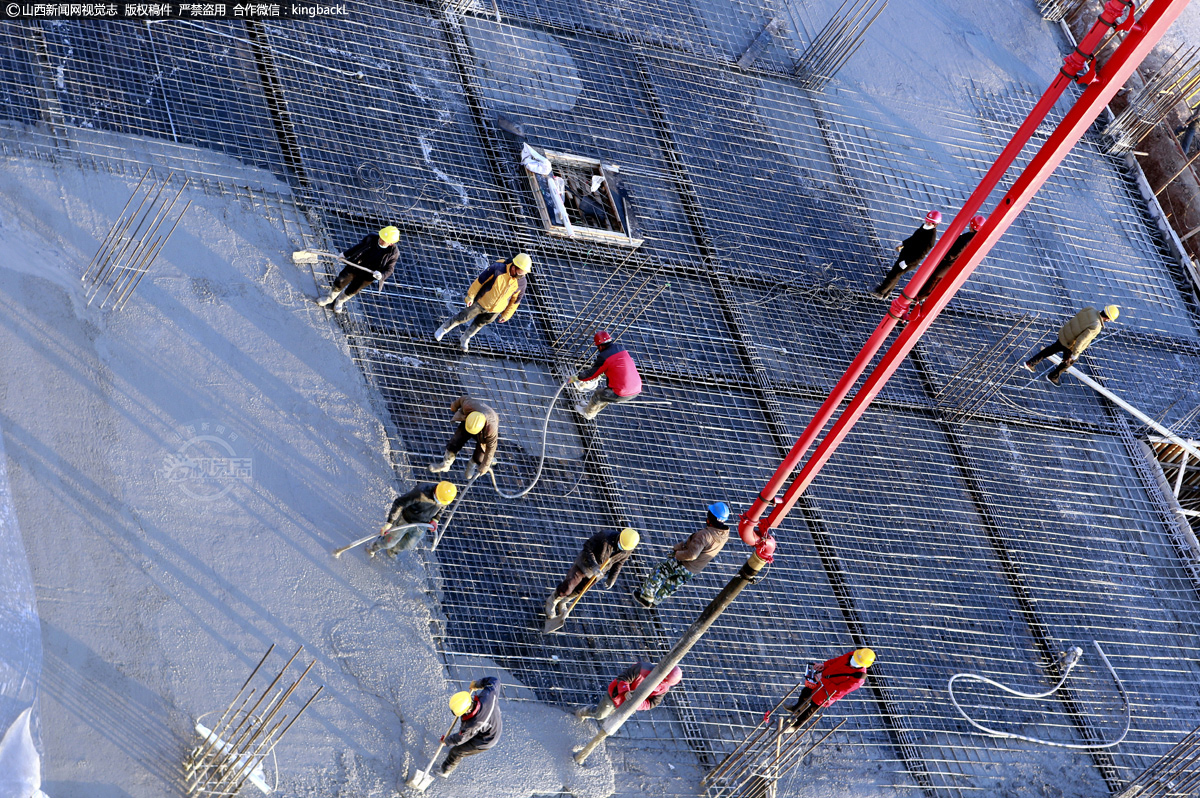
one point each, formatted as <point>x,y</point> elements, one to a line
<point>617,367</point>
<point>951,257</point>
<point>912,251</point>
<point>828,682</point>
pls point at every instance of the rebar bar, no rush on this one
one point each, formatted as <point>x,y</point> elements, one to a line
<point>1174,82</point>
<point>836,42</point>
<point>1175,773</point>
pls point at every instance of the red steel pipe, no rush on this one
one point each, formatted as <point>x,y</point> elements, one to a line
<point>1141,38</point>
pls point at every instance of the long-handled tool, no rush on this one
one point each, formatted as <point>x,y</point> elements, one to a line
<point>310,256</point>
<point>337,553</point>
<point>422,779</point>
<point>559,621</point>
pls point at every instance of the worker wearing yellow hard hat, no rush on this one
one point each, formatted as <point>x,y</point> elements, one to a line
<point>373,258</point>
<point>496,293</point>
<point>603,553</point>
<point>829,682</point>
<point>478,422</point>
<point>479,723</point>
<point>1073,338</point>
<point>411,516</point>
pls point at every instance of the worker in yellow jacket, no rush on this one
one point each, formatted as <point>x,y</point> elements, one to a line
<point>1074,337</point>
<point>495,293</point>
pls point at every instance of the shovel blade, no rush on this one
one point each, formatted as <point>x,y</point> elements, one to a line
<point>421,781</point>
<point>555,624</point>
<point>304,256</point>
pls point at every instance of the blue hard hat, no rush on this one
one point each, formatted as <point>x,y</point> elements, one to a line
<point>720,511</point>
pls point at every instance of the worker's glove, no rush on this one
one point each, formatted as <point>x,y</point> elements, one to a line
<point>903,266</point>
<point>433,526</point>
<point>503,319</point>
<point>443,739</point>
<point>473,686</point>
<point>591,573</point>
<point>377,276</point>
<point>383,529</point>
<point>609,583</point>
<point>899,247</point>
<point>470,301</point>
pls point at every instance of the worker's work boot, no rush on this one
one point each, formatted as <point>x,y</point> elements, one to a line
<point>440,332</point>
<point>471,470</point>
<point>339,306</point>
<point>640,599</point>
<point>464,342</point>
<point>1027,365</point>
<point>329,299</point>
<point>447,461</point>
<point>1054,378</point>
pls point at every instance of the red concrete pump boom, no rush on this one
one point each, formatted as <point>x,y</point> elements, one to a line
<point>1141,35</point>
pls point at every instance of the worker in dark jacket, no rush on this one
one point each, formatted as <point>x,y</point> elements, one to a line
<point>1074,337</point>
<point>828,682</point>
<point>479,723</point>
<point>376,256</point>
<point>496,293</point>
<point>951,257</point>
<point>688,559</point>
<point>475,421</point>
<point>621,687</point>
<point>615,365</point>
<point>421,505</point>
<point>912,251</point>
<point>604,552</point>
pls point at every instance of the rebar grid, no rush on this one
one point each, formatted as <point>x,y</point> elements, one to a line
<point>988,545</point>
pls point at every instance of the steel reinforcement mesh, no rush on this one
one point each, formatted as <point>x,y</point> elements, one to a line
<point>985,539</point>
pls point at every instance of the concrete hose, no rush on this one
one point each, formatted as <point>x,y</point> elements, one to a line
<point>542,459</point>
<point>1072,660</point>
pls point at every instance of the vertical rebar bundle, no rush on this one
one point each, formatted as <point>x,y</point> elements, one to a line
<point>768,753</point>
<point>133,242</point>
<point>1176,773</point>
<point>837,42</point>
<point>970,388</point>
<point>233,751</point>
<point>1178,80</point>
<point>1058,10</point>
<point>605,310</point>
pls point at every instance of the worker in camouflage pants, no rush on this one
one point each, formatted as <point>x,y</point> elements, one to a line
<point>688,559</point>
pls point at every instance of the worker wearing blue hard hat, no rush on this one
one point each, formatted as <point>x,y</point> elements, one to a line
<point>688,558</point>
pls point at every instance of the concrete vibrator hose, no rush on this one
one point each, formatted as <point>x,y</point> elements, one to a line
<point>542,459</point>
<point>1072,659</point>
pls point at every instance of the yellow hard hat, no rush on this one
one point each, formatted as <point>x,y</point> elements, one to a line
<point>1112,311</point>
<point>389,235</point>
<point>629,539</point>
<point>863,658</point>
<point>445,492</point>
<point>475,421</point>
<point>461,703</point>
<point>523,262</point>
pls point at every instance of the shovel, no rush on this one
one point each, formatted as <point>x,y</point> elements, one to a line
<point>559,621</point>
<point>422,779</point>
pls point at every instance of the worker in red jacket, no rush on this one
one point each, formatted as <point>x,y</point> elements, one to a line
<point>616,366</point>
<point>830,681</point>
<point>620,688</point>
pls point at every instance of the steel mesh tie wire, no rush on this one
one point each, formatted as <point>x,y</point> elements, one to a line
<point>1074,656</point>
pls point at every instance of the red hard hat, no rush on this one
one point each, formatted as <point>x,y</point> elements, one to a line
<point>977,222</point>
<point>602,337</point>
<point>933,217</point>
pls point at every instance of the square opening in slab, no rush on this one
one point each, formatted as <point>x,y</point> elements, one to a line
<point>595,206</point>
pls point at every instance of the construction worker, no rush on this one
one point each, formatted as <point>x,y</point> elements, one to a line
<point>376,256</point>
<point>479,723</point>
<point>421,505</point>
<point>828,682</point>
<point>496,292</point>
<point>604,552</point>
<point>629,680</point>
<point>475,420</point>
<point>613,363</point>
<point>689,558</point>
<point>912,251</point>
<point>1074,337</point>
<point>951,257</point>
